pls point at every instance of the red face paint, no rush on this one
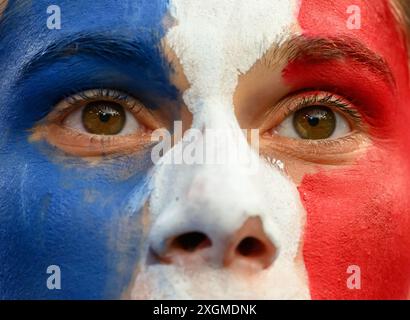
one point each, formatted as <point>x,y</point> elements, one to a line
<point>359,215</point>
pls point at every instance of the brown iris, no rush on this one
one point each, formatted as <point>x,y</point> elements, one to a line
<point>315,122</point>
<point>103,117</point>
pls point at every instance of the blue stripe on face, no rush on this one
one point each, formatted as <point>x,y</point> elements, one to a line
<point>58,210</point>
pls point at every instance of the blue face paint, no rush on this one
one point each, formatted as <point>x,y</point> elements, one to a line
<point>60,210</point>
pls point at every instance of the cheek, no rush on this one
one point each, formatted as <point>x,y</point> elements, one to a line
<point>358,216</point>
<point>83,218</point>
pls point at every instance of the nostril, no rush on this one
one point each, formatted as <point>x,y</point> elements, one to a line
<point>191,242</point>
<point>251,247</point>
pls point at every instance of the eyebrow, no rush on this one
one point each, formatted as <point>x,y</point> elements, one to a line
<point>316,50</point>
<point>111,48</point>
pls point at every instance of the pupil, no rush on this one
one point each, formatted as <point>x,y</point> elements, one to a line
<point>104,117</point>
<point>313,121</point>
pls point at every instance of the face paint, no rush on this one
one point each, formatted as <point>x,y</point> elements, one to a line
<point>98,219</point>
<point>81,215</point>
<point>359,215</point>
<point>192,203</point>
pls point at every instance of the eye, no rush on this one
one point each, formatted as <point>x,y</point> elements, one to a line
<point>317,121</point>
<point>314,126</point>
<point>314,122</point>
<point>106,115</point>
<point>99,122</point>
<point>103,117</point>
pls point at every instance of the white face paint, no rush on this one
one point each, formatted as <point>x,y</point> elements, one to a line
<point>216,41</point>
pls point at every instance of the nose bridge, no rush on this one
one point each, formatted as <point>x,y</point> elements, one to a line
<point>215,196</point>
<point>216,169</point>
<point>212,201</point>
<point>211,198</point>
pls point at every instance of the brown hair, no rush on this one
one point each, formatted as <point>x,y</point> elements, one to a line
<point>3,4</point>
<point>402,10</point>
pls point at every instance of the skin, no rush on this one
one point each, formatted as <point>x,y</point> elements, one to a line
<point>84,204</point>
<point>389,228</point>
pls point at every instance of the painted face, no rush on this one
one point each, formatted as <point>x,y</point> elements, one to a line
<point>324,191</point>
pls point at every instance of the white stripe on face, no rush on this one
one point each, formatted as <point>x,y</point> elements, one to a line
<point>216,41</point>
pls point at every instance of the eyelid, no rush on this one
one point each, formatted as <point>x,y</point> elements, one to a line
<point>292,103</point>
<point>84,144</point>
<point>70,104</point>
<point>327,151</point>
<point>335,102</point>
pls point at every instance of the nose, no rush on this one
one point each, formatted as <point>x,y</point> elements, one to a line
<point>247,248</point>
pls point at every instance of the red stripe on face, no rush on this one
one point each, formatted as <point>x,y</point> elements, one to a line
<point>359,215</point>
<point>371,95</point>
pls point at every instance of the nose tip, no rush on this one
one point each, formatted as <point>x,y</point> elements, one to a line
<point>248,247</point>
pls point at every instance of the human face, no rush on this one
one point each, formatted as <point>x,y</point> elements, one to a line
<point>327,189</point>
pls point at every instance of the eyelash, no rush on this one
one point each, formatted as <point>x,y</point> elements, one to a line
<point>70,140</point>
<point>317,151</point>
<point>101,93</point>
<point>329,100</point>
<point>81,98</point>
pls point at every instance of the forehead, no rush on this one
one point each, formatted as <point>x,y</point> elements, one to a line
<point>378,28</point>
<point>132,18</point>
<point>93,13</point>
<point>237,33</point>
<point>147,16</point>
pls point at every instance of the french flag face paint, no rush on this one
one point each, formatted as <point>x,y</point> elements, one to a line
<point>351,216</point>
<point>359,214</point>
<point>228,205</point>
<point>317,209</point>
